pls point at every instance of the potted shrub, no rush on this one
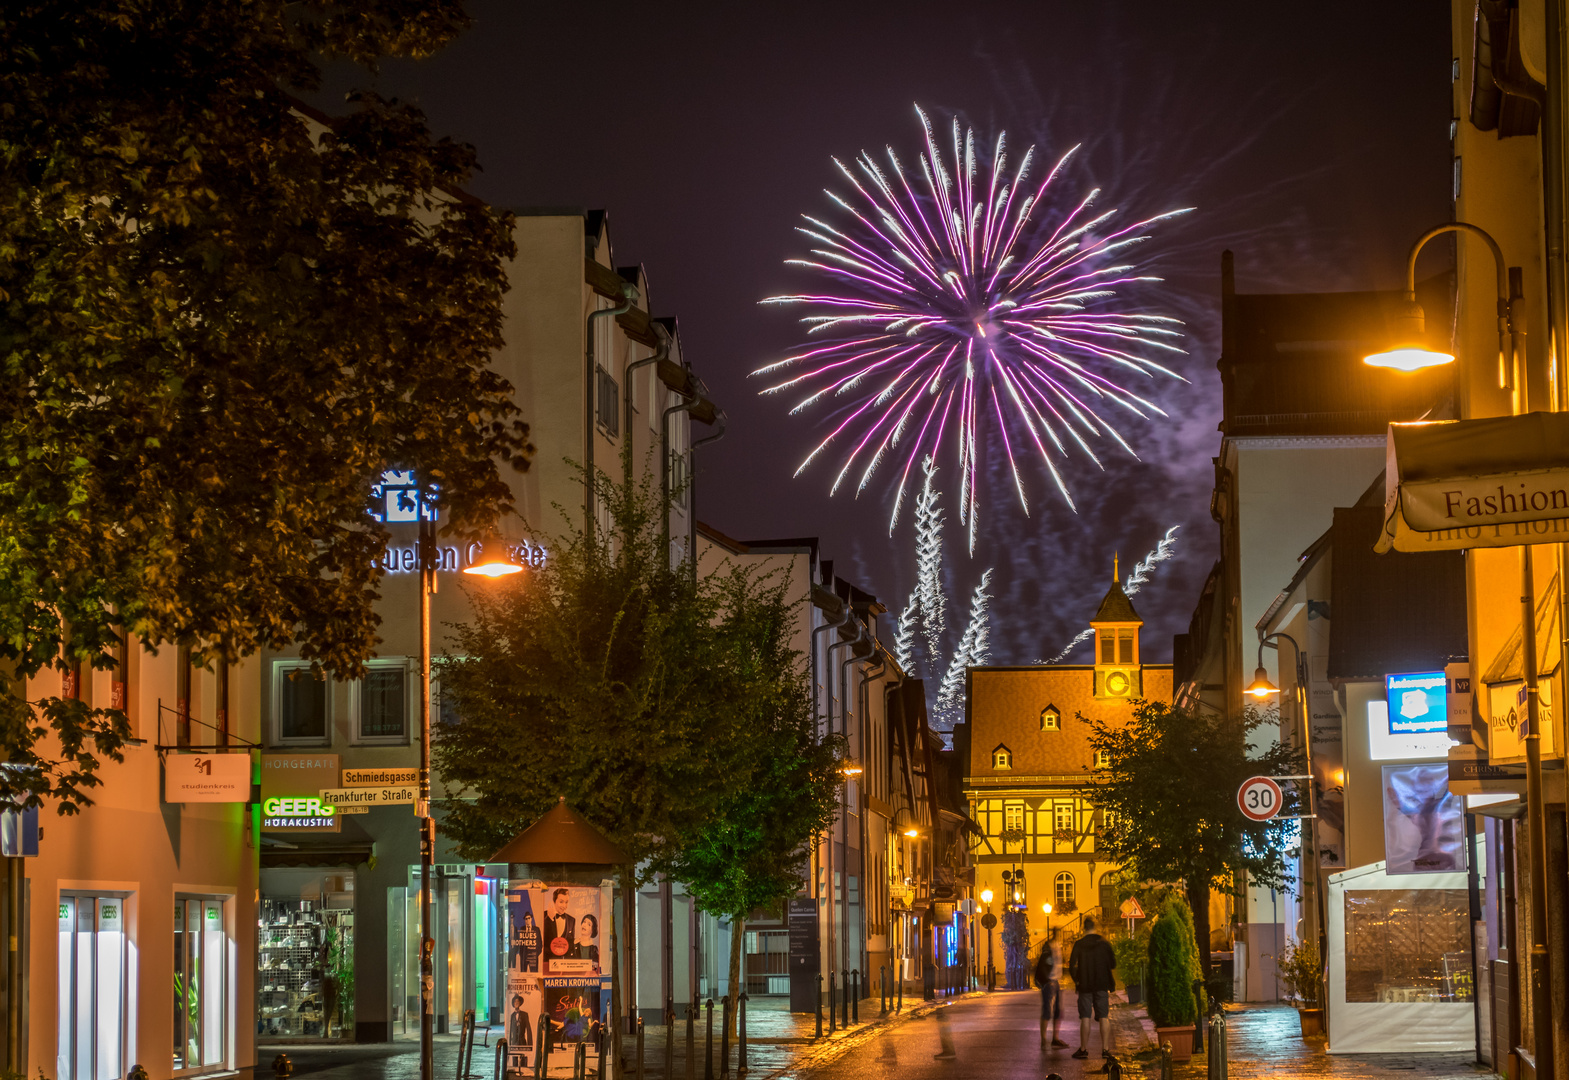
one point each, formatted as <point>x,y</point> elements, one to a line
<point>1170,1000</point>
<point>1299,969</point>
<point>1129,950</point>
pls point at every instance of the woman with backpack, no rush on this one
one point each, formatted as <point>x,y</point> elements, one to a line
<point>1048,976</point>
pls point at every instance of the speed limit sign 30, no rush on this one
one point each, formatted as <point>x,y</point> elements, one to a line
<point>1259,798</point>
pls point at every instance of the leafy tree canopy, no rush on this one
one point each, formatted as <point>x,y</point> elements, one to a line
<point>220,321</point>
<point>1169,797</point>
<point>648,696</point>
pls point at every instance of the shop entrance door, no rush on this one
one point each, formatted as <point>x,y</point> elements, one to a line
<point>92,989</point>
<point>454,901</point>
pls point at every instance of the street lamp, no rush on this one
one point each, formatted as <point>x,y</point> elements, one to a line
<point>494,561</point>
<point>1509,291</point>
<point>989,921</point>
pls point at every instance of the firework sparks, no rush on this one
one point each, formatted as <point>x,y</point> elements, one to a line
<point>1164,550</point>
<point>966,312</point>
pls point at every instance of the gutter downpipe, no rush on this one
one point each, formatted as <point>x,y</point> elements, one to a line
<point>720,420</point>
<point>895,956</point>
<point>862,729</point>
<point>664,467</point>
<point>660,353</point>
<point>863,637</point>
<point>590,375</point>
<point>854,625</point>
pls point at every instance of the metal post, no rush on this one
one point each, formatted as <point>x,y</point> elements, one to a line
<point>855,995</point>
<point>741,1030</point>
<point>900,1007</point>
<point>1113,1068</point>
<point>601,1044</point>
<point>1218,1065</point>
<point>882,988</point>
<point>427,825</point>
<point>580,1062</point>
<point>541,1046</point>
<point>466,1048</point>
<point>501,1059</point>
<point>819,1034</point>
<point>833,1005</point>
<point>1536,811</point>
<point>1165,1061</point>
<point>708,1044</point>
<point>691,1039</point>
<point>846,985</point>
<point>639,1037</point>
<point>724,1037</point>
<point>670,1039</point>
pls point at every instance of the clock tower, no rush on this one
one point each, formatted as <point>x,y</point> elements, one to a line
<point>1118,665</point>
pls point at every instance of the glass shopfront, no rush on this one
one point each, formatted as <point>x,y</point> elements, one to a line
<point>91,1043</point>
<point>305,954</point>
<point>466,928</point>
<point>201,983</point>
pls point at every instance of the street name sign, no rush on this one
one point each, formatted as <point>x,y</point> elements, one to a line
<point>379,777</point>
<point>389,795</point>
<point>1259,798</point>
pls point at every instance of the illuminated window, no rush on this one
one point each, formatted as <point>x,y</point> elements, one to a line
<point>1013,817</point>
<point>1002,758</point>
<point>1062,817</point>
<point>1063,890</point>
<point>1103,759</point>
<point>1051,719</point>
<point>92,988</point>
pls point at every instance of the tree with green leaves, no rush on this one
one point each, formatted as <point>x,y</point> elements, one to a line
<point>632,688</point>
<point>1168,797</point>
<point>222,316</point>
<point>754,853</point>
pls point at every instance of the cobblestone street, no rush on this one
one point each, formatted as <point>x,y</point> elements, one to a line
<point>977,1035</point>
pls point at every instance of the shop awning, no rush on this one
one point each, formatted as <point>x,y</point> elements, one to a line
<point>350,847</point>
<point>1494,482</point>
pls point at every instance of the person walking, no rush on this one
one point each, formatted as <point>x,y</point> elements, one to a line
<point>1091,964</point>
<point>1048,977</point>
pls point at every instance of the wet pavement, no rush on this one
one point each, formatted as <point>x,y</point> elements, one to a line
<point>991,1036</point>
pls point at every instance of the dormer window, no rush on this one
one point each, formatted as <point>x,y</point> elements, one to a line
<point>1002,758</point>
<point>1051,718</point>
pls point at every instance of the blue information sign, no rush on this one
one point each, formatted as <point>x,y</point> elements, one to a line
<point>1418,702</point>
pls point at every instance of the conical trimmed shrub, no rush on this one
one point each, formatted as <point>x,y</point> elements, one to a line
<point>1170,989</point>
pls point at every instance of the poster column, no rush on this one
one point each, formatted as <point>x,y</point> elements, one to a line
<point>553,970</point>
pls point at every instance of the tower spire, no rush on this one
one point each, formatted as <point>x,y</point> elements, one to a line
<point>1116,575</point>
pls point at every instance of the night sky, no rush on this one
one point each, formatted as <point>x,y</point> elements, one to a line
<point>1311,139</point>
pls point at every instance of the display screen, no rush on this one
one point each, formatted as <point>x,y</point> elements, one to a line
<point>1418,703</point>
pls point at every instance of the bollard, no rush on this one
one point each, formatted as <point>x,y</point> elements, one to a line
<point>833,1005</point>
<point>542,1047</point>
<point>724,1036</point>
<point>639,1036</point>
<point>580,1062</point>
<point>1113,1068</point>
<point>882,987</point>
<point>741,1030</point>
<point>282,1067</point>
<point>708,1044</point>
<point>899,976</point>
<point>1218,1065</point>
<point>139,1073</point>
<point>691,1039</point>
<point>855,995</point>
<point>501,1059</point>
<point>465,1044</point>
<point>600,1041</point>
<point>670,1039</point>
<point>845,975</point>
<point>819,1005</point>
<point>1165,1061</point>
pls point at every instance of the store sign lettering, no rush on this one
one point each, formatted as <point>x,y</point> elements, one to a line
<point>450,559</point>
<point>301,807</point>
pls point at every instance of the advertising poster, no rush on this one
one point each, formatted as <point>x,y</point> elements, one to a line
<point>553,967</point>
<point>1424,832</point>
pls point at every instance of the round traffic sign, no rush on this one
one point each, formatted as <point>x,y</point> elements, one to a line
<point>1259,798</point>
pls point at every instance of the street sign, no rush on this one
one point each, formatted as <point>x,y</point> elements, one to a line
<point>391,795</point>
<point>1131,909</point>
<point>1259,798</point>
<point>379,777</point>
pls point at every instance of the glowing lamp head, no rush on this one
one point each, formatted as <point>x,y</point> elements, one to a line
<point>1046,908</point>
<point>912,832</point>
<point>851,769</point>
<point>986,896</point>
<point>1408,351</point>
<point>1261,687</point>
<point>494,561</point>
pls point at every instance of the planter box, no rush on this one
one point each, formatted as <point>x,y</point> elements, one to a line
<point>1135,993</point>
<point>1312,1021</point>
<point>1180,1038</point>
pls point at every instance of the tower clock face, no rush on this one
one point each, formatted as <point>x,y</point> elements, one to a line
<point>1117,684</point>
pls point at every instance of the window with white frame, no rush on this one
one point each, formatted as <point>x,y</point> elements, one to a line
<point>93,988</point>
<point>1002,758</point>
<point>1062,817</point>
<point>201,983</point>
<point>301,700</point>
<point>1051,718</point>
<point>1063,890</point>
<point>382,702</point>
<point>1013,817</point>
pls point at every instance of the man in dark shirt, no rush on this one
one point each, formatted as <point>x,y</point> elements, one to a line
<point>1091,964</point>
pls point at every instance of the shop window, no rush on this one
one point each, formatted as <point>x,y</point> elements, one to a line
<point>305,961</point>
<point>201,983</point>
<point>299,698</point>
<point>1051,718</point>
<point>383,712</point>
<point>92,988</point>
<point>1063,892</point>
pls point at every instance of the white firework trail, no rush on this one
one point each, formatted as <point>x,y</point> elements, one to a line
<point>1164,551</point>
<point>933,614</point>
<point>974,649</point>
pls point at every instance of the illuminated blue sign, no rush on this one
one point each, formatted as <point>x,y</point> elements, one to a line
<point>396,498</point>
<point>1418,703</point>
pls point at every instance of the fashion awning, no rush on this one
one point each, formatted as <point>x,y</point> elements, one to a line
<point>1494,482</point>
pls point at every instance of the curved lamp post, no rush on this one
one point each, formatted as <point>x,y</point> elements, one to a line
<point>1404,356</point>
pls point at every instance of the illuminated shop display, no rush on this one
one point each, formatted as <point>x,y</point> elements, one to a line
<point>201,983</point>
<point>305,954</point>
<point>92,974</point>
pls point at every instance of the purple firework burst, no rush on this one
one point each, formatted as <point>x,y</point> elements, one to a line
<point>964,309</point>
